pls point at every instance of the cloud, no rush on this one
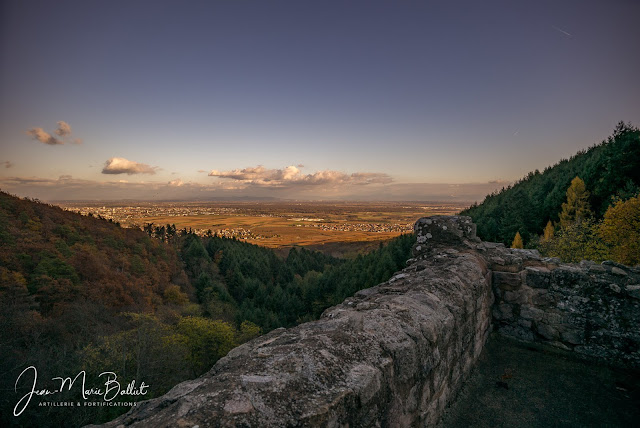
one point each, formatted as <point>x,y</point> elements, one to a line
<point>6,164</point>
<point>68,188</point>
<point>293,176</point>
<point>124,166</point>
<point>44,137</point>
<point>500,181</point>
<point>64,129</point>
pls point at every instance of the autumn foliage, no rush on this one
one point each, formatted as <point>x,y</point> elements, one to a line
<point>620,230</point>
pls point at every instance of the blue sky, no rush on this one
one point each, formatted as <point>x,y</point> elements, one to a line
<point>365,99</point>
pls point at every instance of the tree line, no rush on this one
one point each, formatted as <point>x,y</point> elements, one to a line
<point>587,207</point>
<point>578,235</point>
<point>610,171</point>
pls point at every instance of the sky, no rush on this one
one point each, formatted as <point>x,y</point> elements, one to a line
<point>381,100</point>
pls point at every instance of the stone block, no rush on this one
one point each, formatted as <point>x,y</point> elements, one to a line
<point>531,313</point>
<point>537,277</point>
<point>520,297</point>
<point>547,331</point>
<point>552,318</point>
<point>506,280</point>
<point>633,291</point>
<point>542,297</point>
<point>503,311</point>
<point>617,271</point>
<point>574,337</point>
<point>597,269</point>
<point>524,323</point>
<point>560,345</point>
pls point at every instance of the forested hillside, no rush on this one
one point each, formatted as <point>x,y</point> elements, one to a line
<point>159,305</point>
<point>609,170</point>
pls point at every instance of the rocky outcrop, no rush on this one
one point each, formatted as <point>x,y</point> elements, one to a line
<point>396,354</point>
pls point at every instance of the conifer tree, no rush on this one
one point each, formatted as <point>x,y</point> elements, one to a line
<point>577,208</point>
<point>517,241</point>
<point>548,232</point>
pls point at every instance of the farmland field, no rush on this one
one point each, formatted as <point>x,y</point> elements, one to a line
<point>338,228</point>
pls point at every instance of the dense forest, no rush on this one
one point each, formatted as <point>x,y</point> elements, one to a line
<point>610,171</point>
<point>159,305</point>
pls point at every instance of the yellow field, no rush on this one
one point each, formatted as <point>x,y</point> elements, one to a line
<point>337,228</point>
<point>271,232</point>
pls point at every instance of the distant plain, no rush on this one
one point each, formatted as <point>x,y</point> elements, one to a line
<point>338,228</point>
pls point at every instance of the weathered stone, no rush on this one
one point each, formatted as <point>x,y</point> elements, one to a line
<point>516,297</point>
<point>503,312</point>
<point>396,354</point>
<point>617,271</point>
<point>552,318</point>
<point>634,291</point>
<point>367,360</point>
<point>524,323</point>
<point>537,277</point>
<point>597,269</point>
<point>546,331</point>
<point>506,280</point>
<point>541,297</point>
<point>573,337</point>
<point>560,345</point>
<point>531,313</point>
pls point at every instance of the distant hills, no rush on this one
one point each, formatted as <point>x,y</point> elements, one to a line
<point>610,169</point>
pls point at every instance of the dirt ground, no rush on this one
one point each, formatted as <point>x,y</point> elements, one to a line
<point>518,386</point>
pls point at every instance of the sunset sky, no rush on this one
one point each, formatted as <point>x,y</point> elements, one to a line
<point>404,100</point>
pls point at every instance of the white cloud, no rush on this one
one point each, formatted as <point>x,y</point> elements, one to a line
<point>125,166</point>
<point>176,183</point>
<point>293,176</point>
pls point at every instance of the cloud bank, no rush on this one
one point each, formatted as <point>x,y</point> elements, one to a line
<point>292,176</point>
<point>125,166</point>
<point>69,188</point>
<point>63,130</point>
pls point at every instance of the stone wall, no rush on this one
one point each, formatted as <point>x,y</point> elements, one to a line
<point>392,355</point>
<point>397,354</point>
<point>592,310</point>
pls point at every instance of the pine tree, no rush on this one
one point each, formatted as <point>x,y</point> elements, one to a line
<point>517,241</point>
<point>577,206</point>
<point>548,232</point>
